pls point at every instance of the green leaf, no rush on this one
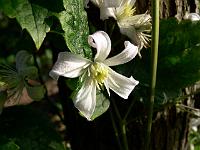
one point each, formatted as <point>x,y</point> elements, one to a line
<point>35,92</point>
<point>178,61</point>
<point>30,16</point>
<point>72,83</point>
<point>102,104</point>
<point>3,98</point>
<point>29,72</point>
<point>23,59</point>
<point>7,7</point>
<point>74,23</point>
<point>24,65</point>
<point>9,146</point>
<point>179,54</point>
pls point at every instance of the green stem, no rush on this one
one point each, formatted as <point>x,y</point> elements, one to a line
<point>124,136</point>
<point>53,105</point>
<point>115,130</point>
<point>129,110</point>
<point>122,126</point>
<point>154,58</point>
<point>116,110</point>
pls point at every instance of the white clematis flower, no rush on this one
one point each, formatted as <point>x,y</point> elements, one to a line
<point>96,74</point>
<point>192,16</point>
<point>135,27</point>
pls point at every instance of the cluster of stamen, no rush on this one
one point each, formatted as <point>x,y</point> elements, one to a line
<point>126,11</point>
<point>99,73</point>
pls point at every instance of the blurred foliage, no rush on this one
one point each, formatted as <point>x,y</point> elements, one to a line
<point>17,78</point>
<point>178,61</point>
<point>194,139</point>
<point>27,128</point>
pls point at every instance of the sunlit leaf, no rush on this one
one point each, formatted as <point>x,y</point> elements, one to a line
<point>74,23</point>
<point>30,16</point>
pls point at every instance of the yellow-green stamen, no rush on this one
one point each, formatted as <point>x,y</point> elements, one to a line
<point>99,73</point>
<point>126,11</point>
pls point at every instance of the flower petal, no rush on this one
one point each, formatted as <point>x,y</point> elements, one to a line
<point>192,16</point>
<point>136,28</point>
<point>120,84</point>
<point>104,3</point>
<point>129,2</point>
<point>130,32</point>
<point>141,22</point>
<point>106,12</point>
<point>111,3</point>
<point>107,87</point>
<point>95,2</point>
<point>86,3</point>
<point>85,99</point>
<point>125,56</point>
<point>101,41</point>
<point>69,65</point>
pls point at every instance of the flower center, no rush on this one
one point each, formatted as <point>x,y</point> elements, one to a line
<point>99,72</point>
<point>127,10</point>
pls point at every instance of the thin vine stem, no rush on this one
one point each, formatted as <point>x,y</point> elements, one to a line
<point>56,109</point>
<point>122,126</point>
<point>129,110</point>
<point>124,136</point>
<point>116,110</point>
<point>115,130</point>
<point>154,58</point>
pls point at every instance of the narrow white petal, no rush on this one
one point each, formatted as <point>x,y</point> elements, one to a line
<point>125,56</point>
<point>85,99</point>
<point>86,3</point>
<point>106,12</point>
<point>120,84</point>
<point>111,3</point>
<point>134,26</point>
<point>106,86</point>
<point>129,2</point>
<point>101,41</point>
<point>141,22</point>
<point>104,3</point>
<point>130,32</point>
<point>69,65</point>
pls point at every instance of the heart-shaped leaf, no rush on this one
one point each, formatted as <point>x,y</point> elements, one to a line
<point>30,16</point>
<point>74,23</point>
